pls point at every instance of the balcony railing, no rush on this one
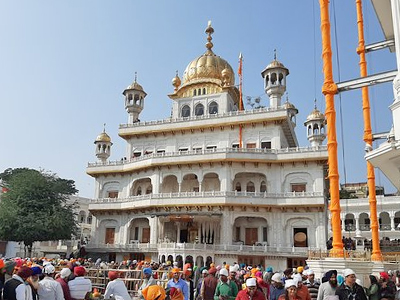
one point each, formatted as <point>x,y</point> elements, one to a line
<point>191,247</point>
<point>208,151</point>
<point>233,194</point>
<point>203,117</point>
<point>367,227</point>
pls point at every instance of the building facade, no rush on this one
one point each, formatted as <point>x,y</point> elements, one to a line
<point>212,182</point>
<point>386,156</point>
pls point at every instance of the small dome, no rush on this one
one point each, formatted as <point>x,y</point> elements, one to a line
<point>288,105</point>
<point>176,81</point>
<point>103,137</point>
<point>315,115</point>
<point>275,64</point>
<point>135,86</point>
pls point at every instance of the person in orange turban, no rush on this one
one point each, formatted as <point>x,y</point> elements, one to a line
<point>153,292</point>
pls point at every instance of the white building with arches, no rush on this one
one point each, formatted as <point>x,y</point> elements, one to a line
<point>212,182</point>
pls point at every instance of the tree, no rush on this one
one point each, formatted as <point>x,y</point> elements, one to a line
<point>35,207</point>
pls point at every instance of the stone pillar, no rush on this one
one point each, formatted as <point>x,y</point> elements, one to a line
<point>392,225</point>
<point>178,232</point>
<point>357,222</point>
<point>226,229</point>
<point>153,222</point>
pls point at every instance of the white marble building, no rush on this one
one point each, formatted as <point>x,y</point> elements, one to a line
<point>212,182</point>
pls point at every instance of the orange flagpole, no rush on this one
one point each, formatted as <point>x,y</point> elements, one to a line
<point>329,89</point>
<point>376,251</point>
<point>240,97</point>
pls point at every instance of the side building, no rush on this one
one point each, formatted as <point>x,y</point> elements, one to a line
<point>212,182</point>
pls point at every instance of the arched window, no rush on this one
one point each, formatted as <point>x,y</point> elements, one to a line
<point>204,91</point>
<point>185,111</point>
<point>213,108</point>
<point>263,187</point>
<point>194,92</point>
<point>199,110</point>
<point>238,187</point>
<point>250,187</point>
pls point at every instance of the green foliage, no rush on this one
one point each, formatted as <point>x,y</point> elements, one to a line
<point>35,207</point>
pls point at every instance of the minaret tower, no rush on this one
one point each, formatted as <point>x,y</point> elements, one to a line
<point>103,146</point>
<point>315,124</point>
<point>134,100</point>
<point>291,110</point>
<point>274,76</point>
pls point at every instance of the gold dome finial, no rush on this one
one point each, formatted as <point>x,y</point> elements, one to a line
<point>176,81</point>
<point>315,103</point>
<point>209,31</point>
<point>135,76</point>
<point>274,54</point>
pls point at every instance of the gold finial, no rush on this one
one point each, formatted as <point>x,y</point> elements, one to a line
<point>135,76</point>
<point>315,103</point>
<point>209,31</point>
<point>104,127</point>
<point>176,81</point>
<point>274,54</point>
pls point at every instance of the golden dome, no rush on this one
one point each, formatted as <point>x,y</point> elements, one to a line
<point>103,137</point>
<point>315,115</point>
<point>209,67</point>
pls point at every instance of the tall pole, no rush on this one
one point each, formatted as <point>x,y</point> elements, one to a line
<point>240,97</point>
<point>376,251</point>
<point>329,89</point>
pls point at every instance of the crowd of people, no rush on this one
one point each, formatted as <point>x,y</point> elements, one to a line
<point>42,279</point>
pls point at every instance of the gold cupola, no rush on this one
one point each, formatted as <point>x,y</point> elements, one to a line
<point>103,146</point>
<point>207,72</point>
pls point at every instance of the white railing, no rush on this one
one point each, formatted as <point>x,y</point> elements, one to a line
<point>162,247</point>
<point>232,194</point>
<point>203,117</point>
<point>208,151</point>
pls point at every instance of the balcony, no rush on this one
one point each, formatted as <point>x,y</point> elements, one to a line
<point>217,154</point>
<point>229,118</point>
<point>188,248</point>
<point>219,198</point>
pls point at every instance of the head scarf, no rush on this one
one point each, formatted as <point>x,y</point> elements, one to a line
<point>153,292</point>
<point>328,275</point>
<point>79,271</point>
<point>24,272</point>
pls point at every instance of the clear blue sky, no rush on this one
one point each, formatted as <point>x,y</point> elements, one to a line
<point>64,65</point>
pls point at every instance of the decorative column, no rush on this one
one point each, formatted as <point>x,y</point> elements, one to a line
<point>226,229</point>
<point>153,222</point>
<point>357,223</point>
<point>392,225</point>
<point>329,89</point>
<point>376,251</point>
<point>178,232</point>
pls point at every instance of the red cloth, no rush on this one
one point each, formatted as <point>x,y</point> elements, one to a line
<point>79,271</point>
<point>65,288</point>
<point>243,295</point>
<point>303,293</point>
